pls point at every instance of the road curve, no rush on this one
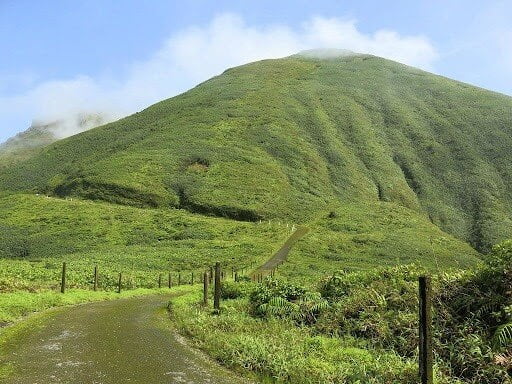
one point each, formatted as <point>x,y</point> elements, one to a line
<point>112,342</point>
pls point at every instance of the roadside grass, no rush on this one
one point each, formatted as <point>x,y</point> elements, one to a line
<point>15,306</point>
<point>276,351</point>
<point>360,326</point>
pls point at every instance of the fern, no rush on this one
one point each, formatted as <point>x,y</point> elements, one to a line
<point>503,335</point>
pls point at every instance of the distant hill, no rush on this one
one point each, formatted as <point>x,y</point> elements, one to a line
<point>40,134</point>
<point>297,138</point>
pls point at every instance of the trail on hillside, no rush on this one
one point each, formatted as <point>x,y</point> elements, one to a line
<point>119,341</point>
<point>282,254</point>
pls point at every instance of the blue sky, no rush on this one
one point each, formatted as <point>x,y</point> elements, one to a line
<point>117,57</point>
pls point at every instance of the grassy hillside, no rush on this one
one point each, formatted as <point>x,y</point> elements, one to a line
<point>288,138</point>
<point>38,233</point>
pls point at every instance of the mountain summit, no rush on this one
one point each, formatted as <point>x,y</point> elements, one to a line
<point>41,134</point>
<point>296,138</point>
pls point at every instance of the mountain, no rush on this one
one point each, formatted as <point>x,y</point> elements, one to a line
<point>293,139</point>
<point>41,134</point>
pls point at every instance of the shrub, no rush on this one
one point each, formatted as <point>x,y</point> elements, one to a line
<point>234,290</point>
<point>275,298</point>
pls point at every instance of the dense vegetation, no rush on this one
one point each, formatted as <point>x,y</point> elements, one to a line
<point>362,326</point>
<point>38,233</point>
<point>286,138</point>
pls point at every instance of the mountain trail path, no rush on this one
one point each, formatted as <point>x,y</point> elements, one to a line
<point>119,341</point>
<point>282,254</point>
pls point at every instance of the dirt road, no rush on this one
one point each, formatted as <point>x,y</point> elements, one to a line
<point>118,341</point>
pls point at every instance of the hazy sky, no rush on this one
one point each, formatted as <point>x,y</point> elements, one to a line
<point>63,57</point>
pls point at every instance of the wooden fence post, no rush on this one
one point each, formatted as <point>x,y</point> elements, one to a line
<point>216,297</point>
<point>205,289</point>
<point>119,283</point>
<point>160,280</point>
<point>211,275</point>
<point>95,277</point>
<point>426,370</point>
<point>170,281</point>
<point>63,279</point>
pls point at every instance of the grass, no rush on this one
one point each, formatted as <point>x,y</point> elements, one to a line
<point>360,326</point>
<point>374,235</point>
<point>40,233</point>
<point>277,351</point>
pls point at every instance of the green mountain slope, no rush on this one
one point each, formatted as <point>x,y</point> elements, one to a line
<point>27,143</point>
<point>298,137</point>
<point>38,232</point>
<point>23,145</point>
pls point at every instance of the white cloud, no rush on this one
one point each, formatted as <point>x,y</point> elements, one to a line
<point>197,53</point>
<point>334,33</point>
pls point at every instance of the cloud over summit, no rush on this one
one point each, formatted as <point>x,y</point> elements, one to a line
<point>195,54</point>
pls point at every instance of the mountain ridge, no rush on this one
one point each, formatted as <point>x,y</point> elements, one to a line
<point>42,133</point>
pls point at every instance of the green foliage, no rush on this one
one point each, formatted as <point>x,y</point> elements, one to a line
<point>275,288</point>
<point>13,242</point>
<point>234,290</point>
<point>378,305</point>
<point>472,315</point>
<point>275,351</point>
<point>141,243</point>
<point>374,310</point>
<point>503,335</point>
<point>276,298</point>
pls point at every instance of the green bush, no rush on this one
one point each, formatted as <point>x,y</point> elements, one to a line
<point>275,298</point>
<point>234,290</point>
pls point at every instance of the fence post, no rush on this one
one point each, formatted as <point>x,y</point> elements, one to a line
<point>205,289</point>
<point>95,277</point>
<point>170,281</point>
<point>211,275</point>
<point>160,281</point>
<point>119,283</point>
<point>192,279</point>
<point>63,279</point>
<point>425,331</point>
<point>216,297</point>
